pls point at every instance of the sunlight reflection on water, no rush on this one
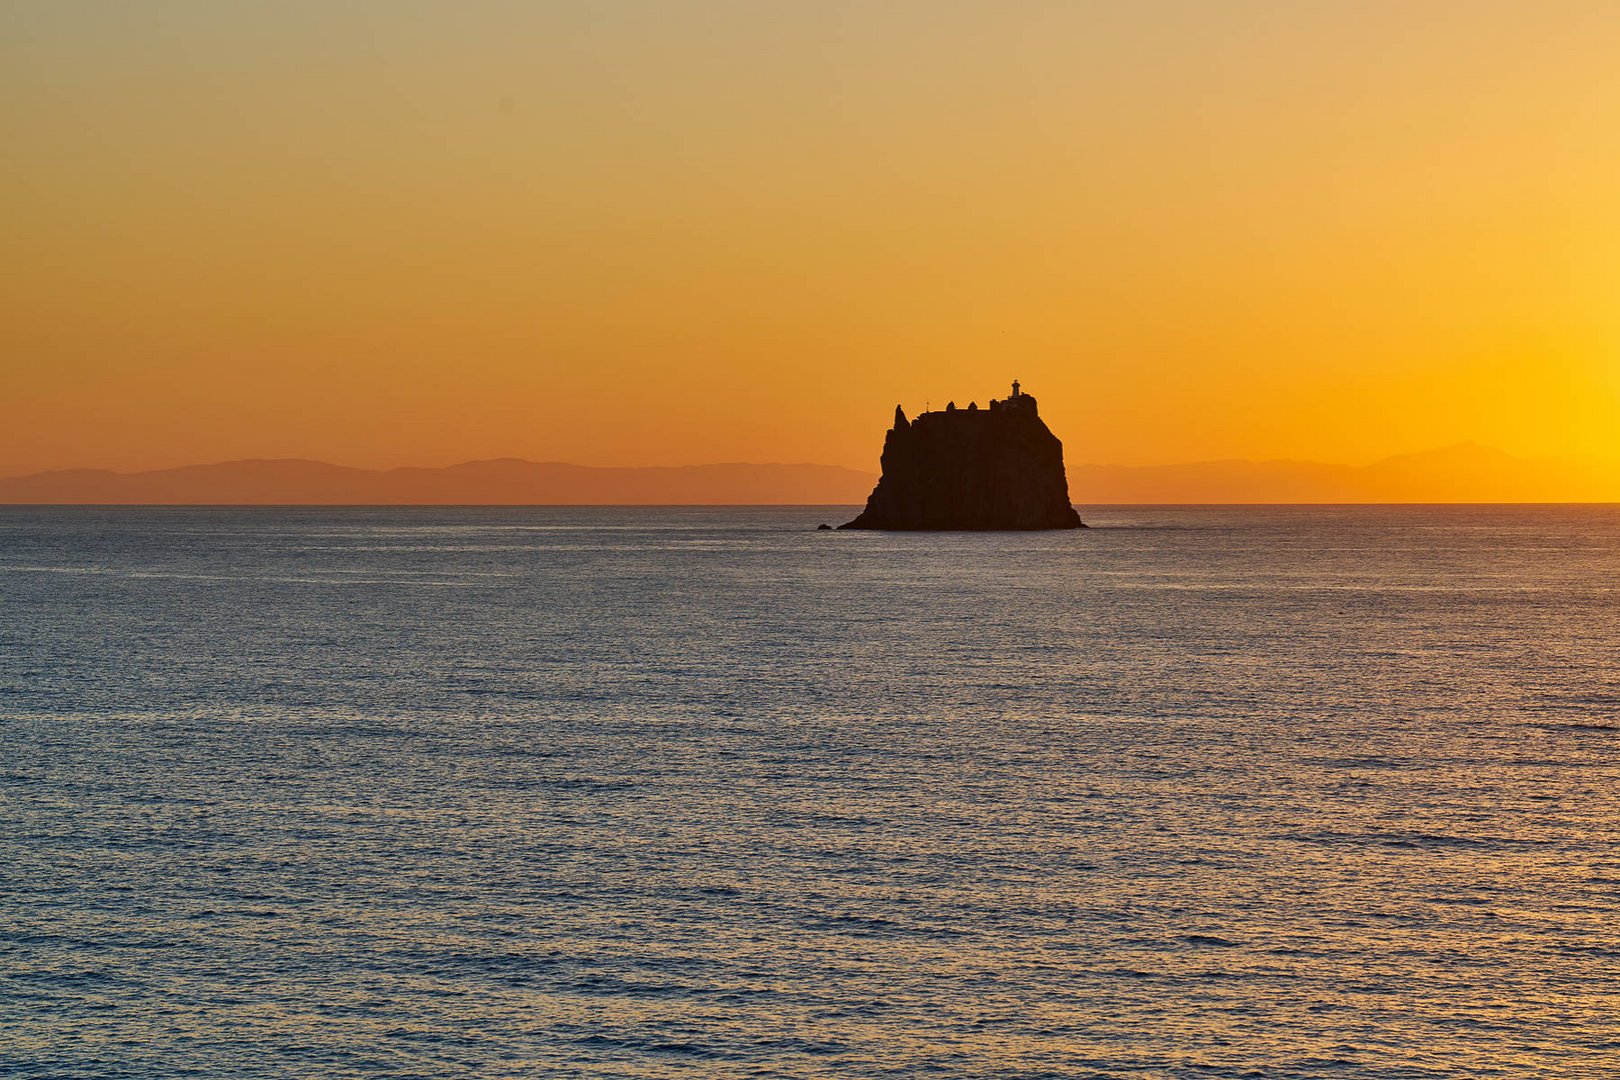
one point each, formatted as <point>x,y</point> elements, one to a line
<point>1241,792</point>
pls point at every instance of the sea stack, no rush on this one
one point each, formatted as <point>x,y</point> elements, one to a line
<point>971,469</point>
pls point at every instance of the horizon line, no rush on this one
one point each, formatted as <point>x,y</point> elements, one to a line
<point>4,506</point>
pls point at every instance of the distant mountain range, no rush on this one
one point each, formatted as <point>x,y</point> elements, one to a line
<point>504,481</point>
<point>1462,473</point>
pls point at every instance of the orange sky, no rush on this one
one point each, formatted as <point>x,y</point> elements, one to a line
<point>661,233</point>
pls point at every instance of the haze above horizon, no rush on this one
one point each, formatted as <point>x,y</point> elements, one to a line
<point>654,233</point>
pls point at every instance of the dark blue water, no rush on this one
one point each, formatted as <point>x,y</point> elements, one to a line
<point>1237,792</point>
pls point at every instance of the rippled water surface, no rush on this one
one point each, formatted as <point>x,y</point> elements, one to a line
<point>1236,792</point>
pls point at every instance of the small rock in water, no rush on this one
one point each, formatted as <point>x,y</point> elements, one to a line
<point>823,526</point>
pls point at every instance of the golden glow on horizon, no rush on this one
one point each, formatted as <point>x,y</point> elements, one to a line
<point>652,233</point>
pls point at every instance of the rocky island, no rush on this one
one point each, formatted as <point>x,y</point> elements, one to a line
<point>998,468</point>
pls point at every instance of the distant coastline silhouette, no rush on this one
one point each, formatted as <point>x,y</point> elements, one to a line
<point>1464,473</point>
<point>503,481</point>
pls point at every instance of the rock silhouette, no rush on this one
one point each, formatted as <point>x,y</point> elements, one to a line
<point>971,469</point>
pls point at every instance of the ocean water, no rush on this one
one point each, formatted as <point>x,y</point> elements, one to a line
<point>1200,792</point>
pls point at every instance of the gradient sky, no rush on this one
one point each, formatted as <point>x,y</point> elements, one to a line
<point>663,233</point>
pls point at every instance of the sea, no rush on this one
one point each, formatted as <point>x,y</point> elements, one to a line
<point>1199,792</point>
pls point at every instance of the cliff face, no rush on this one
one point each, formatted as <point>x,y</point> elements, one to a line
<point>995,468</point>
